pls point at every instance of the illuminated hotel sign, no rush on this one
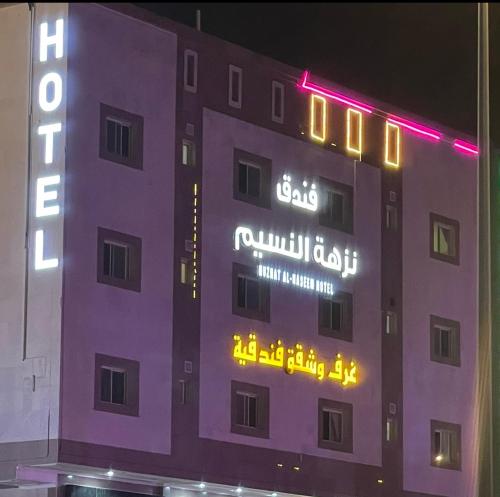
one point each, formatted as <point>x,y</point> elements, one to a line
<point>49,102</point>
<point>294,360</point>
<point>356,110</point>
<point>307,200</point>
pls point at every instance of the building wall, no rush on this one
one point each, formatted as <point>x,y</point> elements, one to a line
<point>294,313</point>
<point>437,179</point>
<point>29,299</point>
<point>108,64</point>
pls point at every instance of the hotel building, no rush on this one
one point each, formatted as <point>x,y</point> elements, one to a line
<point>222,275</point>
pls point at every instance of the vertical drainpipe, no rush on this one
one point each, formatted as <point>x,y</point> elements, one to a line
<point>485,486</point>
<point>32,8</point>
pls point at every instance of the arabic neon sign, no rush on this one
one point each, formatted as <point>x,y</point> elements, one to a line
<point>308,200</point>
<point>294,360</point>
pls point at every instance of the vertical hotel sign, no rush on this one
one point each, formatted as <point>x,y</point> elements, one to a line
<point>47,167</point>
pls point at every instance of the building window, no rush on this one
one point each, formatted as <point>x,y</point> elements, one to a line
<point>121,136</point>
<point>190,71</point>
<point>445,340</point>
<point>391,323</point>
<point>391,217</point>
<point>188,153</point>
<point>116,386</point>
<point>252,178</point>
<point>444,239</point>
<point>335,425</point>
<point>249,409</point>
<point>336,210</point>
<point>445,445</point>
<point>390,430</point>
<point>278,102</point>
<point>335,316</point>
<point>235,84</point>
<point>186,271</point>
<point>119,259</point>
<point>250,294</point>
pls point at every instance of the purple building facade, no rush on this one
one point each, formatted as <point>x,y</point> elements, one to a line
<point>224,275</point>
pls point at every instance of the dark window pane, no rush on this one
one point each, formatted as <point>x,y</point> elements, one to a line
<point>252,412</point>
<point>242,294</point>
<point>190,70</point>
<point>437,342</point>
<point>252,291</point>
<point>242,178</point>
<point>326,425</point>
<point>336,315</point>
<point>336,426</point>
<point>119,262</point>
<point>105,385</point>
<point>331,314</point>
<point>336,207</point>
<point>437,442</point>
<point>107,260</point>
<point>235,78</point>
<point>125,130</point>
<point>111,136</point>
<point>240,409</point>
<point>445,343</point>
<point>253,181</point>
<point>118,384</point>
<point>277,102</point>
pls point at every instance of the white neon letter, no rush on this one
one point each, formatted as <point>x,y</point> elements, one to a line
<point>48,130</point>
<point>56,39</point>
<point>43,196</point>
<point>40,263</point>
<point>51,77</point>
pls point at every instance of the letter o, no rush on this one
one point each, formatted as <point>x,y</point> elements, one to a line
<point>45,105</point>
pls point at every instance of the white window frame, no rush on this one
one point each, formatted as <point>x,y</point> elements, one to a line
<point>190,53</point>
<point>127,258</point>
<point>246,408</point>
<point>275,86</point>
<point>116,370</point>
<point>188,145</point>
<point>331,412</point>
<point>235,103</point>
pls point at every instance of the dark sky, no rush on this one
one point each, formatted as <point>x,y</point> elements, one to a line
<point>419,56</point>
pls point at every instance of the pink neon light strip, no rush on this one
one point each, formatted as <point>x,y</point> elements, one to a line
<point>466,147</point>
<point>333,95</point>
<point>416,128</point>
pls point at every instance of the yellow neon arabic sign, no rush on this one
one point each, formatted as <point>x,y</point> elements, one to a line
<point>293,360</point>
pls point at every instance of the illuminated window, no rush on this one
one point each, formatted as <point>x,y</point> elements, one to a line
<point>317,118</point>
<point>354,135</point>
<point>188,153</point>
<point>445,445</point>
<point>116,387</point>
<point>391,323</point>
<point>113,385</point>
<point>121,136</point>
<point>391,217</point>
<point>250,294</point>
<point>445,340</point>
<point>336,209</point>
<point>335,316</point>
<point>249,409</point>
<point>390,430</point>
<point>190,70</point>
<point>186,271</point>
<point>278,102</point>
<point>235,84</point>
<point>334,425</point>
<point>444,239</point>
<point>119,259</point>
<point>252,178</point>
<point>392,147</point>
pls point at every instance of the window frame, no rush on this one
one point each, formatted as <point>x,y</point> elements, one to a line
<point>235,70</point>
<point>134,245</point>
<point>265,166</point>
<point>455,225</point>
<point>346,445</point>
<point>261,393</point>
<point>132,370</point>
<point>190,144</point>
<point>346,326</point>
<point>263,314</point>
<point>324,219</point>
<point>455,462</point>
<point>194,87</point>
<point>274,87</point>
<point>454,326</point>
<point>136,123</point>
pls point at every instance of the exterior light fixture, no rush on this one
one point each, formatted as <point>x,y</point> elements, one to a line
<point>110,473</point>
<point>279,465</point>
<point>239,490</point>
<point>70,477</point>
<point>380,481</point>
<point>296,468</point>
<point>274,494</point>
<point>439,458</point>
<point>202,485</point>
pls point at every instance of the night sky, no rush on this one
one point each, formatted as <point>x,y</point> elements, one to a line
<point>419,57</point>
